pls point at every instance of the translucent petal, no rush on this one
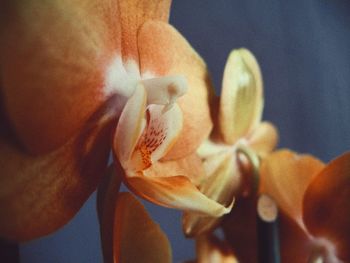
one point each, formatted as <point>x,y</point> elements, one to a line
<point>241,100</point>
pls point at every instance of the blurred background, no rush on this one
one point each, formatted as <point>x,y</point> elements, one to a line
<point>303,47</point>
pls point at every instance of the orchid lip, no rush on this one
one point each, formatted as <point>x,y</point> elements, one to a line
<point>161,121</point>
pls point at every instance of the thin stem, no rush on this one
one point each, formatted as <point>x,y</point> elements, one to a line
<point>267,212</point>
<point>267,230</point>
<point>254,165</point>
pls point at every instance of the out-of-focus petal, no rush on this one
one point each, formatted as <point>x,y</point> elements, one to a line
<point>213,250</point>
<point>285,176</point>
<point>133,13</point>
<point>163,51</point>
<point>294,242</point>
<point>263,139</point>
<point>241,100</point>
<point>209,147</point>
<point>54,58</point>
<point>107,195</point>
<point>39,194</point>
<point>175,192</point>
<point>136,237</point>
<point>326,210</point>
<point>220,184</point>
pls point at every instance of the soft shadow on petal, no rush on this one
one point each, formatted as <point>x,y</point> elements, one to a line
<point>133,13</point>
<point>191,166</point>
<point>175,192</point>
<point>39,194</point>
<point>241,101</point>
<point>220,184</point>
<point>136,237</point>
<point>107,194</point>
<point>163,51</point>
<point>263,139</point>
<point>54,56</point>
<point>326,210</point>
<point>285,176</point>
<point>294,242</point>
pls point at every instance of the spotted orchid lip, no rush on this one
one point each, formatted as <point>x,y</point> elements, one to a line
<point>150,121</point>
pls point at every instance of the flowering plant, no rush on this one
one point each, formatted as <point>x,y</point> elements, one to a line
<point>81,79</point>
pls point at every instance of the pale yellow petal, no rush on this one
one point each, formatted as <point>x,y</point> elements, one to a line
<point>263,139</point>
<point>130,126</point>
<point>241,100</point>
<point>220,184</point>
<point>175,192</point>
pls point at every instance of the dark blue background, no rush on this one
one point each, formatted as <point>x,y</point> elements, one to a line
<point>303,47</point>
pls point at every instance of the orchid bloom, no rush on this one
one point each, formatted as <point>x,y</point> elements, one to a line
<point>78,77</point>
<point>239,127</point>
<point>314,199</point>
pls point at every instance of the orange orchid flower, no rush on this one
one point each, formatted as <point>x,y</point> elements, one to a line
<point>239,126</point>
<point>78,77</point>
<point>315,200</point>
<point>314,209</point>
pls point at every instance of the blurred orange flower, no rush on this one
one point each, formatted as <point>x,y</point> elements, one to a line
<point>238,127</point>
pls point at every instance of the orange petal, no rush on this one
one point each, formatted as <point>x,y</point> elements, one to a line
<point>241,100</point>
<point>263,139</point>
<point>213,250</point>
<point>285,176</point>
<point>326,210</point>
<point>163,51</point>
<point>133,13</point>
<point>136,237</point>
<point>106,201</point>
<point>39,194</point>
<point>220,184</point>
<point>54,57</point>
<point>191,166</point>
<point>294,242</point>
<point>174,192</point>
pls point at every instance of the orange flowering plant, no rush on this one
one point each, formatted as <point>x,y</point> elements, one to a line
<point>81,79</point>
